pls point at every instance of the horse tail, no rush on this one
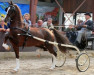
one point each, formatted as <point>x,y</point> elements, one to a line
<point>60,38</point>
<point>83,43</point>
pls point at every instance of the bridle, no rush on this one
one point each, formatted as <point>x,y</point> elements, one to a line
<point>12,9</point>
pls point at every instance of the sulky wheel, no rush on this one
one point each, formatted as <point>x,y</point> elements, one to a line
<point>82,62</point>
<point>60,60</point>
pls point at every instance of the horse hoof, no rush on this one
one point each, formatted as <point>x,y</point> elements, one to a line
<point>6,46</point>
<point>14,71</point>
<point>9,47</point>
<point>38,56</point>
<point>52,68</point>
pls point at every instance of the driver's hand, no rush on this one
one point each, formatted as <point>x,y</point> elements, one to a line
<point>84,26</point>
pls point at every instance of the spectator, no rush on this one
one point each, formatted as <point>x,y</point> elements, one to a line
<point>3,27</point>
<point>48,24</point>
<point>26,18</point>
<point>39,24</point>
<point>79,22</point>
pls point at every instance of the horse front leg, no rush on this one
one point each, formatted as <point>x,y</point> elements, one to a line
<point>7,47</point>
<point>16,49</point>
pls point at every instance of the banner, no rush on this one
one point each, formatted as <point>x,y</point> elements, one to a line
<point>23,7</point>
<point>43,12</point>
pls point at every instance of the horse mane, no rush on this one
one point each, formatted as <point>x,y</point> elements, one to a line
<point>19,12</point>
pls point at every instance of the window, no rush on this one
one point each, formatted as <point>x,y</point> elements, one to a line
<point>74,18</point>
<point>67,21</point>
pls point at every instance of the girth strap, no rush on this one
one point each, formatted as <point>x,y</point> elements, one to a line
<point>26,38</point>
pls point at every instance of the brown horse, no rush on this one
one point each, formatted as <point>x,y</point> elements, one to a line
<point>15,18</point>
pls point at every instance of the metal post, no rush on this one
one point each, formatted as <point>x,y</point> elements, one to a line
<point>33,8</point>
<point>60,18</point>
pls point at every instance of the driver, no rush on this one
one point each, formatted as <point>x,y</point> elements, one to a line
<point>85,28</point>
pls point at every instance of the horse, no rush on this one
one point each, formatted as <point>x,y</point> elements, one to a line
<point>15,18</point>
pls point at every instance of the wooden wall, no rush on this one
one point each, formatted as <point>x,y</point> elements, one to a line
<point>71,5</point>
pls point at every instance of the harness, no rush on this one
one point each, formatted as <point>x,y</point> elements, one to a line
<point>24,34</point>
<point>26,38</point>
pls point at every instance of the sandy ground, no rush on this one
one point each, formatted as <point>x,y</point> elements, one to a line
<point>40,66</point>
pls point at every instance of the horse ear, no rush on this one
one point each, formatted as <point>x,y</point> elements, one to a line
<point>11,3</point>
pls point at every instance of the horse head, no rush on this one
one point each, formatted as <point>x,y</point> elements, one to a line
<point>10,10</point>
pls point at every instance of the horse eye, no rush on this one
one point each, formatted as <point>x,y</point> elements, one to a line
<point>6,9</point>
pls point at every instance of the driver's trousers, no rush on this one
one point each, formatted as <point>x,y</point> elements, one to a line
<point>81,33</point>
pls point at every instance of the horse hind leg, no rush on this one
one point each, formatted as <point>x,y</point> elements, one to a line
<point>54,62</point>
<point>54,54</point>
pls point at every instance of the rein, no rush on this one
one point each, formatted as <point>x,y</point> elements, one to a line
<point>20,23</point>
<point>21,30</point>
<point>17,21</point>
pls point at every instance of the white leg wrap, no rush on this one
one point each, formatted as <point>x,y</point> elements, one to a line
<point>17,65</point>
<point>6,46</point>
<point>38,51</point>
<point>54,62</point>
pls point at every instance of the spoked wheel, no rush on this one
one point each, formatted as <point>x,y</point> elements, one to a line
<point>82,62</point>
<point>60,60</point>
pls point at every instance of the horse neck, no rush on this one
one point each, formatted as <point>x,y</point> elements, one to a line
<point>16,21</point>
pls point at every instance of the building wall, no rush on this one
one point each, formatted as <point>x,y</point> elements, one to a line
<point>28,1</point>
<point>71,6</point>
<point>68,5</point>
